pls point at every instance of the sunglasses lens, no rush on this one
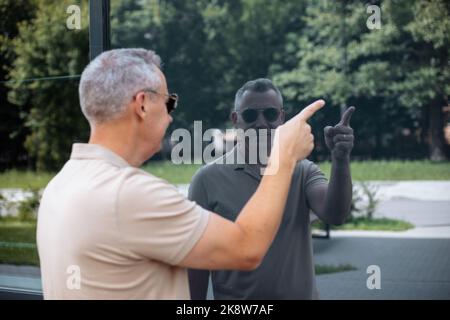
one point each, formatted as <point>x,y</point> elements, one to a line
<point>172,103</point>
<point>250,115</point>
<point>271,114</point>
<point>169,106</point>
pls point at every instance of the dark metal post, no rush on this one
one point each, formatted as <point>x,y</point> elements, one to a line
<point>344,45</point>
<point>99,28</point>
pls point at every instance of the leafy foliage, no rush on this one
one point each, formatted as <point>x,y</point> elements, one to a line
<point>396,76</point>
<point>50,110</point>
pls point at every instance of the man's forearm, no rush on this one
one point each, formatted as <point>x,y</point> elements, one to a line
<point>339,194</point>
<point>338,199</point>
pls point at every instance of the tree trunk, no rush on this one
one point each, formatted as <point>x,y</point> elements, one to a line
<point>437,145</point>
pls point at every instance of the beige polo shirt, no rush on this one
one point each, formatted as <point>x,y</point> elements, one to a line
<point>107,230</point>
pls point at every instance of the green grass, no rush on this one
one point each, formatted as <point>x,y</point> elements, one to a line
<point>19,256</point>
<point>363,223</point>
<point>178,174</point>
<point>18,242</point>
<point>385,224</point>
<point>395,170</point>
<point>324,269</point>
<point>24,179</point>
<point>15,231</point>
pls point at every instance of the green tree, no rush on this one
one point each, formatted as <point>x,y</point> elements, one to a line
<point>242,38</point>
<point>209,48</point>
<point>174,29</point>
<point>12,133</point>
<point>428,83</point>
<point>397,76</point>
<point>45,47</point>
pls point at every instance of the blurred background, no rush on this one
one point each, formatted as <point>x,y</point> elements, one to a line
<point>388,58</point>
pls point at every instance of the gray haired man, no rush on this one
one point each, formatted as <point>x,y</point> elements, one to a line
<point>108,230</point>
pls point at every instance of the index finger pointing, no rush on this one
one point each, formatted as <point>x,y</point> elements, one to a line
<point>309,111</point>
<point>345,121</point>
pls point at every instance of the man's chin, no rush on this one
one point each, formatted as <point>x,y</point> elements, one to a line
<point>158,148</point>
<point>151,151</point>
<point>259,151</point>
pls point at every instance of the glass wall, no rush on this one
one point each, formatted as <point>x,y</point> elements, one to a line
<point>388,58</point>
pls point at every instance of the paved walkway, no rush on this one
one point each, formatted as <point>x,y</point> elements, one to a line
<point>416,233</point>
<point>417,190</point>
<point>410,268</point>
<point>20,277</point>
<point>414,264</point>
<point>421,213</point>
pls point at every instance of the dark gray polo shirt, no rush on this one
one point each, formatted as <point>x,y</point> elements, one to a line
<point>287,270</point>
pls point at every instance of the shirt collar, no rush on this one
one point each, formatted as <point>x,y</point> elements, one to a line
<point>84,151</point>
<point>237,157</point>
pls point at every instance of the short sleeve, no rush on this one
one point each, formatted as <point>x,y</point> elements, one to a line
<point>155,220</point>
<point>197,190</point>
<point>313,175</point>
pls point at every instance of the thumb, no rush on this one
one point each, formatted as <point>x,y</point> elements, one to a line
<point>345,121</point>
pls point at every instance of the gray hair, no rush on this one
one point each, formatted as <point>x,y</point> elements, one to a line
<point>258,85</point>
<point>109,82</point>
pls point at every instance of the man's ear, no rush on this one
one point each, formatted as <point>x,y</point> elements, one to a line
<point>233,117</point>
<point>139,106</point>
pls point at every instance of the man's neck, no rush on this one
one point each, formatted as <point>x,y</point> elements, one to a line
<point>260,163</point>
<point>117,138</point>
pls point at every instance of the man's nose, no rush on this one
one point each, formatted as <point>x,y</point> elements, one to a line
<point>261,121</point>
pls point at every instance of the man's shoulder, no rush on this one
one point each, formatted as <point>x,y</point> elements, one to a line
<point>305,168</point>
<point>141,189</point>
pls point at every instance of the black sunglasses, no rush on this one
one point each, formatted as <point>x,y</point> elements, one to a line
<point>171,102</point>
<point>270,114</point>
